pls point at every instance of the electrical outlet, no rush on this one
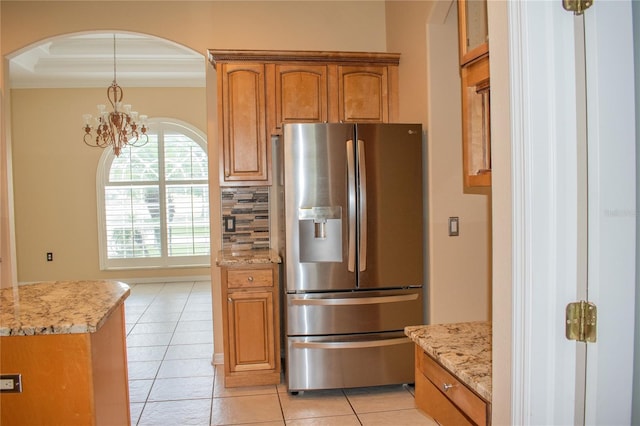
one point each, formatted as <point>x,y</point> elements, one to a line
<point>229,223</point>
<point>49,257</point>
<point>10,383</point>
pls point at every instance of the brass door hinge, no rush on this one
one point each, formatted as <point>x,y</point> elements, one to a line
<point>577,6</point>
<point>581,321</point>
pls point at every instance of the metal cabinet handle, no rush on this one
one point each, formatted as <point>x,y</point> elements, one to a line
<point>250,279</point>
<point>446,386</point>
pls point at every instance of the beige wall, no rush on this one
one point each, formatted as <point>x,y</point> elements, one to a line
<point>7,271</point>
<point>459,267</point>
<point>458,277</point>
<point>55,177</point>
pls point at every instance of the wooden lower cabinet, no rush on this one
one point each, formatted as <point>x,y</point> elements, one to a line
<point>68,379</point>
<point>251,325</point>
<point>443,397</point>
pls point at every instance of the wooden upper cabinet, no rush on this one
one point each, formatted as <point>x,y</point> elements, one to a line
<point>473,29</point>
<point>300,94</point>
<point>244,154</point>
<point>476,124</point>
<point>260,90</point>
<point>363,94</point>
<point>476,94</point>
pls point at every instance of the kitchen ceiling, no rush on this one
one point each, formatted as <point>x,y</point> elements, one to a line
<point>86,60</point>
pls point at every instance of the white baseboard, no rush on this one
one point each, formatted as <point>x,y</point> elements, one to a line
<point>149,280</point>
<point>153,280</point>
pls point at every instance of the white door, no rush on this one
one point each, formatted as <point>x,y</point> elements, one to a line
<point>611,151</point>
<point>573,171</point>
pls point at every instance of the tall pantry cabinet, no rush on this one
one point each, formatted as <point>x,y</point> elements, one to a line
<point>259,91</point>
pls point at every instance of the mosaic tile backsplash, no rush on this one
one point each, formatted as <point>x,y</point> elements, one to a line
<point>249,206</point>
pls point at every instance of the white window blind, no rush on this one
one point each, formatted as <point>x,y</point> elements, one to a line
<point>154,201</point>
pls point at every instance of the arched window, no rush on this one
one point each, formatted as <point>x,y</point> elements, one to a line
<point>153,200</point>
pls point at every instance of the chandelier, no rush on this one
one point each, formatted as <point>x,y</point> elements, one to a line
<point>119,127</point>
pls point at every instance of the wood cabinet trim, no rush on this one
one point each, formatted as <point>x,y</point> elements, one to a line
<point>217,56</point>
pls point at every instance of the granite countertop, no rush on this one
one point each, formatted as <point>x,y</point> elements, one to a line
<point>59,307</point>
<point>462,348</point>
<point>247,257</point>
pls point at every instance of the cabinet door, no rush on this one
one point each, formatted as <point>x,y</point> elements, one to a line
<point>476,124</point>
<point>363,94</point>
<point>473,29</point>
<point>251,328</point>
<point>301,94</point>
<point>245,155</point>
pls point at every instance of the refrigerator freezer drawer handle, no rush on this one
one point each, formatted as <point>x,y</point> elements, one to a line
<point>351,345</point>
<point>351,193</point>
<point>362,178</point>
<point>356,301</point>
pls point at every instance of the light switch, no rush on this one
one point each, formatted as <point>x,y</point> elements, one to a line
<point>11,383</point>
<point>454,229</point>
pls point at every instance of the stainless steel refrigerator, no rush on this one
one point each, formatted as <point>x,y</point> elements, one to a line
<point>353,245</point>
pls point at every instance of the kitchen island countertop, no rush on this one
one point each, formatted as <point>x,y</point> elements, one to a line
<point>462,348</point>
<point>59,307</point>
<point>247,257</point>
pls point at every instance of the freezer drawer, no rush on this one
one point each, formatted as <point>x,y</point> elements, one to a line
<point>349,361</point>
<point>353,312</point>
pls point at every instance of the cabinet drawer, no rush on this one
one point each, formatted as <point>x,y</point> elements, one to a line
<point>247,278</point>
<point>457,392</point>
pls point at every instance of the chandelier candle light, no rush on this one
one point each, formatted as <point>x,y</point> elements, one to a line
<point>119,127</point>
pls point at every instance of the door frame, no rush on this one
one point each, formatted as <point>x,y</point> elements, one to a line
<point>544,188</point>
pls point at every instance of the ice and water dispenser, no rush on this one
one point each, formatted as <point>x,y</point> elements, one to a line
<point>320,231</point>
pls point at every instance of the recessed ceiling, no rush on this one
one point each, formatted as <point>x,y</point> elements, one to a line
<point>87,60</point>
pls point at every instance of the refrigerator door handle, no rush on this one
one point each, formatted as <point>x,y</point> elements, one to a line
<point>355,300</point>
<point>351,189</point>
<point>362,180</point>
<point>351,345</point>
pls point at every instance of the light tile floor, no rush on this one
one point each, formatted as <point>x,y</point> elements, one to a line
<point>172,381</point>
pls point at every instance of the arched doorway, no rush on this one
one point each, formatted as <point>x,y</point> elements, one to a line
<point>53,83</point>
